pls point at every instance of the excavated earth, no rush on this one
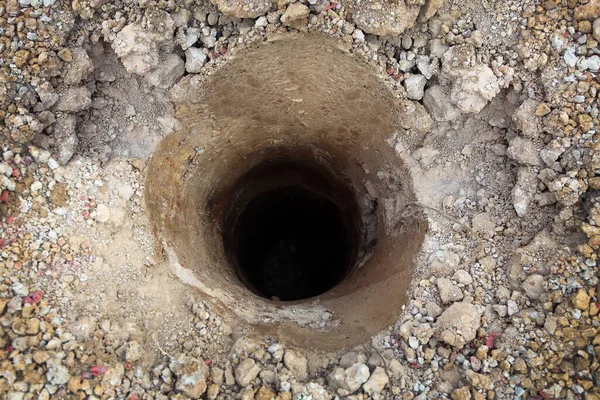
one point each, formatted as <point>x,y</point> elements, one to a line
<point>299,199</point>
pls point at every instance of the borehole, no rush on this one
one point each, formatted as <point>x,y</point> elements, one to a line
<point>291,234</point>
<point>283,198</point>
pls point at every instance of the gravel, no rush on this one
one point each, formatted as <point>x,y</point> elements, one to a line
<point>504,118</point>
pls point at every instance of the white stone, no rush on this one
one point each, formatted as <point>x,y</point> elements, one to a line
<point>462,276</point>
<point>376,382</point>
<point>523,193</point>
<point>512,307</point>
<point>415,85</point>
<point>594,63</point>
<point>570,57</point>
<point>194,60</point>
<point>358,35</point>
<point>348,381</point>
<point>102,213</point>
<point>36,186</point>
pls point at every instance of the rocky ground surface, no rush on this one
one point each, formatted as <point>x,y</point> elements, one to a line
<point>505,302</point>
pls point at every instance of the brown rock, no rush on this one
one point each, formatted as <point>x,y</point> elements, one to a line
<point>596,29</point>
<point>581,300</point>
<point>21,58</point>
<point>191,376</point>
<point>74,384</point>
<point>33,326</point>
<point>590,230</point>
<point>213,391</point>
<point>265,393</point>
<point>589,11</point>
<point>585,122</point>
<point>595,182</point>
<point>3,303</point>
<point>461,394</point>
<point>297,364</point>
<point>584,26</point>
<point>59,196</point>
<point>429,9</point>
<point>295,16</point>
<point>458,324</point>
<point>384,18</point>
<point>542,109</point>
<point>243,8</point>
<point>65,55</point>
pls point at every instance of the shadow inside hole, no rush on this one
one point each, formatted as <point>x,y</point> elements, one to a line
<point>291,244</point>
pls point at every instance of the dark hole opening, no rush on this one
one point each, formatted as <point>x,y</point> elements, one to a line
<point>292,232</point>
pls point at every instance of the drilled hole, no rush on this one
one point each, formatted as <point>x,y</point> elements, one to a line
<point>292,232</point>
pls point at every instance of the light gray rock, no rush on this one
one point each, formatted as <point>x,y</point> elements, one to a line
<point>415,85</point>
<point>463,277</point>
<point>512,307</point>
<point>349,380</point>
<point>358,35</point>
<point>474,84</point>
<point>167,73</point>
<point>194,60</point>
<point>570,57</point>
<point>594,63</point>
<point>246,372</point>
<point>385,18</point>
<point>191,376</point>
<point>438,104</point>
<point>113,376</point>
<point>137,51</point>
<point>523,193</point>
<point>458,324</point>
<point>138,48</point>
<point>48,95</point>
<point>243,8</point>
<point>552,152</point>
<point>523,151</point>
<point>429,67</point>
<point>526,120</point>
<point>534,286</point>
<point>209,37</point>
<point>186,38</point>
<point>19,289</point>
<point>596,29</point>
<point>74,100</point>
<point>433,310</point>
<point>276,350</point>
<point>448,291</point>
<point>65,136</point>
<point>79,68</point>
<point>57,373</point>
<point>483,223</point>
